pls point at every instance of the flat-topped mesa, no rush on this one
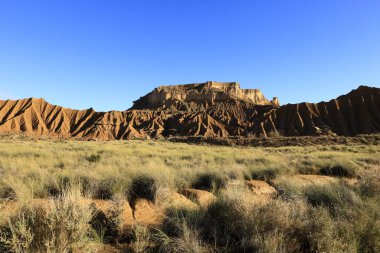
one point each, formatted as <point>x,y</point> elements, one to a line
<point>209,92</point>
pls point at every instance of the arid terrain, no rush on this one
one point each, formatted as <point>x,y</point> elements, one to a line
<point>189,126</point>
<point>160,196</point>
<point>194,168</point>
<point>210,109</point>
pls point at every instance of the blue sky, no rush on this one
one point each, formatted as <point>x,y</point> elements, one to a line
<point>105,54</point>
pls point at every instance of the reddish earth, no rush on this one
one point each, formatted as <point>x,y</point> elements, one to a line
<point>211,110</point>
<point>201,197</point>
<point>261,188</point>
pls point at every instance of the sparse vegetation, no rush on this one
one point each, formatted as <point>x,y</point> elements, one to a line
<point>64,196</point>
<point>61,226</point>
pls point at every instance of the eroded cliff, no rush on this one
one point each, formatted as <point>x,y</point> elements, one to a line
<point>210,109</point>
<point>206,94</point>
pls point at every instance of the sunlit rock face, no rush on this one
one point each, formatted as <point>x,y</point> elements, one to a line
<point>201,93</point>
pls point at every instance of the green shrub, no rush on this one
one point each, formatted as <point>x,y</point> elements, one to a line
<point>180,232</point>
<point>94,158</point>
<point>369,187</point>
<point>236,224</point>
<point>209,182</point>
<point>176,216</point>
<point>7,192</point>
<point>369,236</point>
<point>187,241</point>
<point>369,183</point>
<point>144,187</point>
<point>103,189</point>
<point>335,197</point>
<point>338,171</point>
<point>266,174</point>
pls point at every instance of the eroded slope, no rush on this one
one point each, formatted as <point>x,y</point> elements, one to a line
<point>358,112</point>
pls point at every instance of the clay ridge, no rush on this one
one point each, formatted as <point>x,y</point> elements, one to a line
<point>358,112</point>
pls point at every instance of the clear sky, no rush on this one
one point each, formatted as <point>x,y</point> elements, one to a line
<point>107,53</point>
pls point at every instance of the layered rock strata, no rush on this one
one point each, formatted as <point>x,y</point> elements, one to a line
<point>210,109</point>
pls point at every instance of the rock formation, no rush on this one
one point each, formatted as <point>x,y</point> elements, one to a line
<point>208,109</point>
<point>358,112</point>
<point>207,94</point>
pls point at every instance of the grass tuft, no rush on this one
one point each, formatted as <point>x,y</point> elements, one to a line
<point>60,227</point>
<point>338,171</point>
<point>209,182</point>
<point>94,158</point>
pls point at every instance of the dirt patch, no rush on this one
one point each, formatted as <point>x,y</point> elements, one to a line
<point>146,212</point>
<point>261,188</point>
<point>203,198</point>
<point>180,201</point>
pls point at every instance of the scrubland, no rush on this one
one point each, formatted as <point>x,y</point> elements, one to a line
<point>73,196</point>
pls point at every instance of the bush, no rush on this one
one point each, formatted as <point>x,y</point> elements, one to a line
<point>338,171</point>
<point>108,226</point>
<point>369,236</point>
<point>94,158</point>
<point>142,186</point>
<point>209,182</point>
<point>237,224</point>
<point>369,184</point>
<point>141,239</point>
<point>19,234</point>
<point>60,227</point>
<point>266,174</point>
<point>369,187</point>
<point>7,192</point>
<point>186,242</point>
<point>180,233</point>
<point>335,197</point>
<point>104,189</point>
<point>175,216</point>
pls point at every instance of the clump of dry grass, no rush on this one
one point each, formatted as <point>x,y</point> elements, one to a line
<point>141,239</point>
<point>62,226</point>
<point>349,220</point>
<point>369,184</point>
<point>108,224</point>
<point>210,181</point>
<point>186,240</point>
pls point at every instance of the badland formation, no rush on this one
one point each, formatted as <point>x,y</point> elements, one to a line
<point>210,109</point>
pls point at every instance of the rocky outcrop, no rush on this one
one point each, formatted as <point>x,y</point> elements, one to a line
<point>193,95</point>
<point>190,111</point>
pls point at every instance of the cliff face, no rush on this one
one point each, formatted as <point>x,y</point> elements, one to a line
<point>209,109</point>
<point>207,94</point>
